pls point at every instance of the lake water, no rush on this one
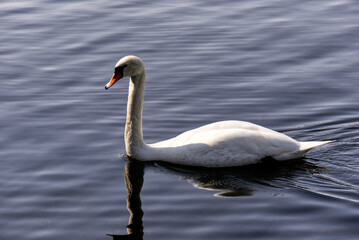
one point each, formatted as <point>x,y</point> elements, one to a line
<point>292,66</point>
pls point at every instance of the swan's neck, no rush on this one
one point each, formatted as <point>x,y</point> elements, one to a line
<point>133,132</point>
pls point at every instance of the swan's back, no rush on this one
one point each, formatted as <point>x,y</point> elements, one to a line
<point>223,144</point>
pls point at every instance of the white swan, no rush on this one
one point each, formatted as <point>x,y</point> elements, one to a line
<point>220,144</point>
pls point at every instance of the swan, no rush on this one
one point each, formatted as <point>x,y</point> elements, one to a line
<point>219,144</point>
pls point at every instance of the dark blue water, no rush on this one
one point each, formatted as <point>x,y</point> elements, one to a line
<point>292,66</point>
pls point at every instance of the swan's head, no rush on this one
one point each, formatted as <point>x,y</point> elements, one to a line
<point>126,67</point>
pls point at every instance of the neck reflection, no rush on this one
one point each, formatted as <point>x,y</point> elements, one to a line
<point>134,171</point>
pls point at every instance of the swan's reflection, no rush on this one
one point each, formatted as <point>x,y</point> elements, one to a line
<point>240,181</point>
<point>228,182</point>
<point>134,171</point>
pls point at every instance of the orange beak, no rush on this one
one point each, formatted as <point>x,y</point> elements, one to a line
<point>114,79</point>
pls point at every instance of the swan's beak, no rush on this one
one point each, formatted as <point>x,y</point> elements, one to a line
<point>114,79</point>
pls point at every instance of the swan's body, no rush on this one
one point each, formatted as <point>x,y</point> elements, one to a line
<point>220,144</point>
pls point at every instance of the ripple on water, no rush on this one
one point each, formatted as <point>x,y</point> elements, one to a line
<point>290,67</point>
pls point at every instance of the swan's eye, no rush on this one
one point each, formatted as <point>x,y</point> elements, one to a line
<point>119,69</point>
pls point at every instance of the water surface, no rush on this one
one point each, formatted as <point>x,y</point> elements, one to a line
<point>287,65</point>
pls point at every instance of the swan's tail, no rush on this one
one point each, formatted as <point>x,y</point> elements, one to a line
<point>306,146</point>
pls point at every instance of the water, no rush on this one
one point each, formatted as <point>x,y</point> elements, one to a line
<point>287,65</point>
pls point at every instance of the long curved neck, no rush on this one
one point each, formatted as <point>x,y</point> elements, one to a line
<point>133,131</point>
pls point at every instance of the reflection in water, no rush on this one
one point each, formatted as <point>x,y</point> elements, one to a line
<point>228,182</point>
<point>239,181</point>
<point>134,171</point>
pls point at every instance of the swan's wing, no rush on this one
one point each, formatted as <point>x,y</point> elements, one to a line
<point>232,124</point>
<point>253,141</point>
<point>225,147</point>
<point>244,132</point>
